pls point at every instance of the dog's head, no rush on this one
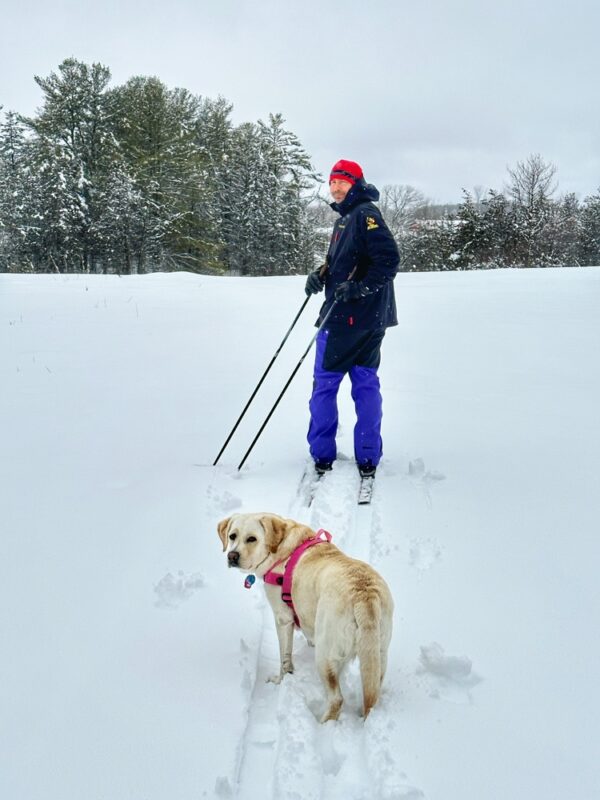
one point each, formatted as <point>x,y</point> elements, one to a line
<point>251,539</point>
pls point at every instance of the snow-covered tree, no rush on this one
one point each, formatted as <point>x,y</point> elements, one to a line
<point>466,243</point>
<point>72,150</point>
<point>13,201</point>
<point>498,236</point>
<point>120,230</point>
<point>160,132</point>
<point>531,186</point>
<point>564,233</point>
<point>429,246</point>
<point>22,228</point>
<point>589,240</point>
<point>263,197</point>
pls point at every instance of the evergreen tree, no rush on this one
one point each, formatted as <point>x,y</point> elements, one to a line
<point>291,178</point>
<point>120,230</point>
<point>564,234</point>
<point>159,131</point>
<point>15,208</point>
<point>263,208</point>
<point>498,236</point>
<point>589,241</point>
<point>467,243</point>
<point>72,151</point>
<point>213,139</point>
<point>429,246</point>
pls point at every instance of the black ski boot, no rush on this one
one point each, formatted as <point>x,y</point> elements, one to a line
<point>321,467</point>
<point>366,470</point>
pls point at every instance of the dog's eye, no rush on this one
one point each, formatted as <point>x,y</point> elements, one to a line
<point>233,537</point>
<point>251,539</point>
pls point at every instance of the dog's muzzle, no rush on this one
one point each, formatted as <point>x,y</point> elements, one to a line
<point>233,558</point>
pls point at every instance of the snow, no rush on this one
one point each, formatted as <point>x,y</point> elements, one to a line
<point>134,662</point>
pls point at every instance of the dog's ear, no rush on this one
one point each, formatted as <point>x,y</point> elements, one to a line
<point>222,531</point>
<point>275,531</point>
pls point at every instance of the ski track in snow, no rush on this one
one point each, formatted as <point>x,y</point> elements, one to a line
<point>285,750</point>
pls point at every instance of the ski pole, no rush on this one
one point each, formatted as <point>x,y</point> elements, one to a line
<point>290,379</point>
<point>260,383</point>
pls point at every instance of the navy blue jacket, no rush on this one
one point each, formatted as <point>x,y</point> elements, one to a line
<point>362,247</point>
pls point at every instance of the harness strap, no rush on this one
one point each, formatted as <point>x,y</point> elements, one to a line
<point>286,580</point>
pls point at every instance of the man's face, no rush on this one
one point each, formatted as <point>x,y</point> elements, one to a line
<point>339,189</point>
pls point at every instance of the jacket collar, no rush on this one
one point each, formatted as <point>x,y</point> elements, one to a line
<point>361,192</point>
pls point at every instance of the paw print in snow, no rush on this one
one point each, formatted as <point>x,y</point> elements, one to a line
<point>172,592</point>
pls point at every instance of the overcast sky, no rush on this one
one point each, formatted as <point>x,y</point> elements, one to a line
<point>438,94</point>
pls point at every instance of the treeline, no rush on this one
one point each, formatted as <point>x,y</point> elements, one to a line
<point>141,177</point>
<point>523,226</point>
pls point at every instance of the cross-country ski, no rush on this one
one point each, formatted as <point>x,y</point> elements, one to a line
<point>365,490</point>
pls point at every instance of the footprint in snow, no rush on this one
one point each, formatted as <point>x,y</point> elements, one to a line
<point>223,787</point>
<point>423,554</point>
<point>222,502</point>
<point>171,591</point>
<point>416,470</point>
<point>449,677</point>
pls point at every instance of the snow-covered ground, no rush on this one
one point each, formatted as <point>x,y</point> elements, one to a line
<point>133,661</point>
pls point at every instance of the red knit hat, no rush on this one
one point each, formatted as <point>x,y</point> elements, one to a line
<point>344,170</point>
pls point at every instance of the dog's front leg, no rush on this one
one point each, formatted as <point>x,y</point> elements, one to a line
<point>285,634</point>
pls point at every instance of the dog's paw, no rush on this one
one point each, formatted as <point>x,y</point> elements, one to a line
<point>332,713</point>
<point>279,677</point>
<point>286,668</point>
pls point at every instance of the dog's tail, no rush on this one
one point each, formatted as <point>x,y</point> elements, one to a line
<point>367,613</point>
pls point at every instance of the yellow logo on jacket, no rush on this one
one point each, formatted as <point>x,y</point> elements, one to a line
<point>371,224</point>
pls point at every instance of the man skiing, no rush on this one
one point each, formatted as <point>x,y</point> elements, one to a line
<point>361,264</point>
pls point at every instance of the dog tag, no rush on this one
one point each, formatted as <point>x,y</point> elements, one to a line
<point>249,582</point>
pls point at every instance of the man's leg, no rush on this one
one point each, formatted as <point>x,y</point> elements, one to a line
<point>323,407</point>
<point>366,394</point>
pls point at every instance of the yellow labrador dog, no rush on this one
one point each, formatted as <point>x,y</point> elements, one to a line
<point>342,605</point>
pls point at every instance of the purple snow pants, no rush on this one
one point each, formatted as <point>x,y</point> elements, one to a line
<point>358,355</point>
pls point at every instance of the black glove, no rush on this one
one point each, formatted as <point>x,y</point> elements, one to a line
<point>314,283</point>
<point>349,290</point>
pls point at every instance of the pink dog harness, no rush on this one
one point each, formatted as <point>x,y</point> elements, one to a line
<point>285,580</point>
